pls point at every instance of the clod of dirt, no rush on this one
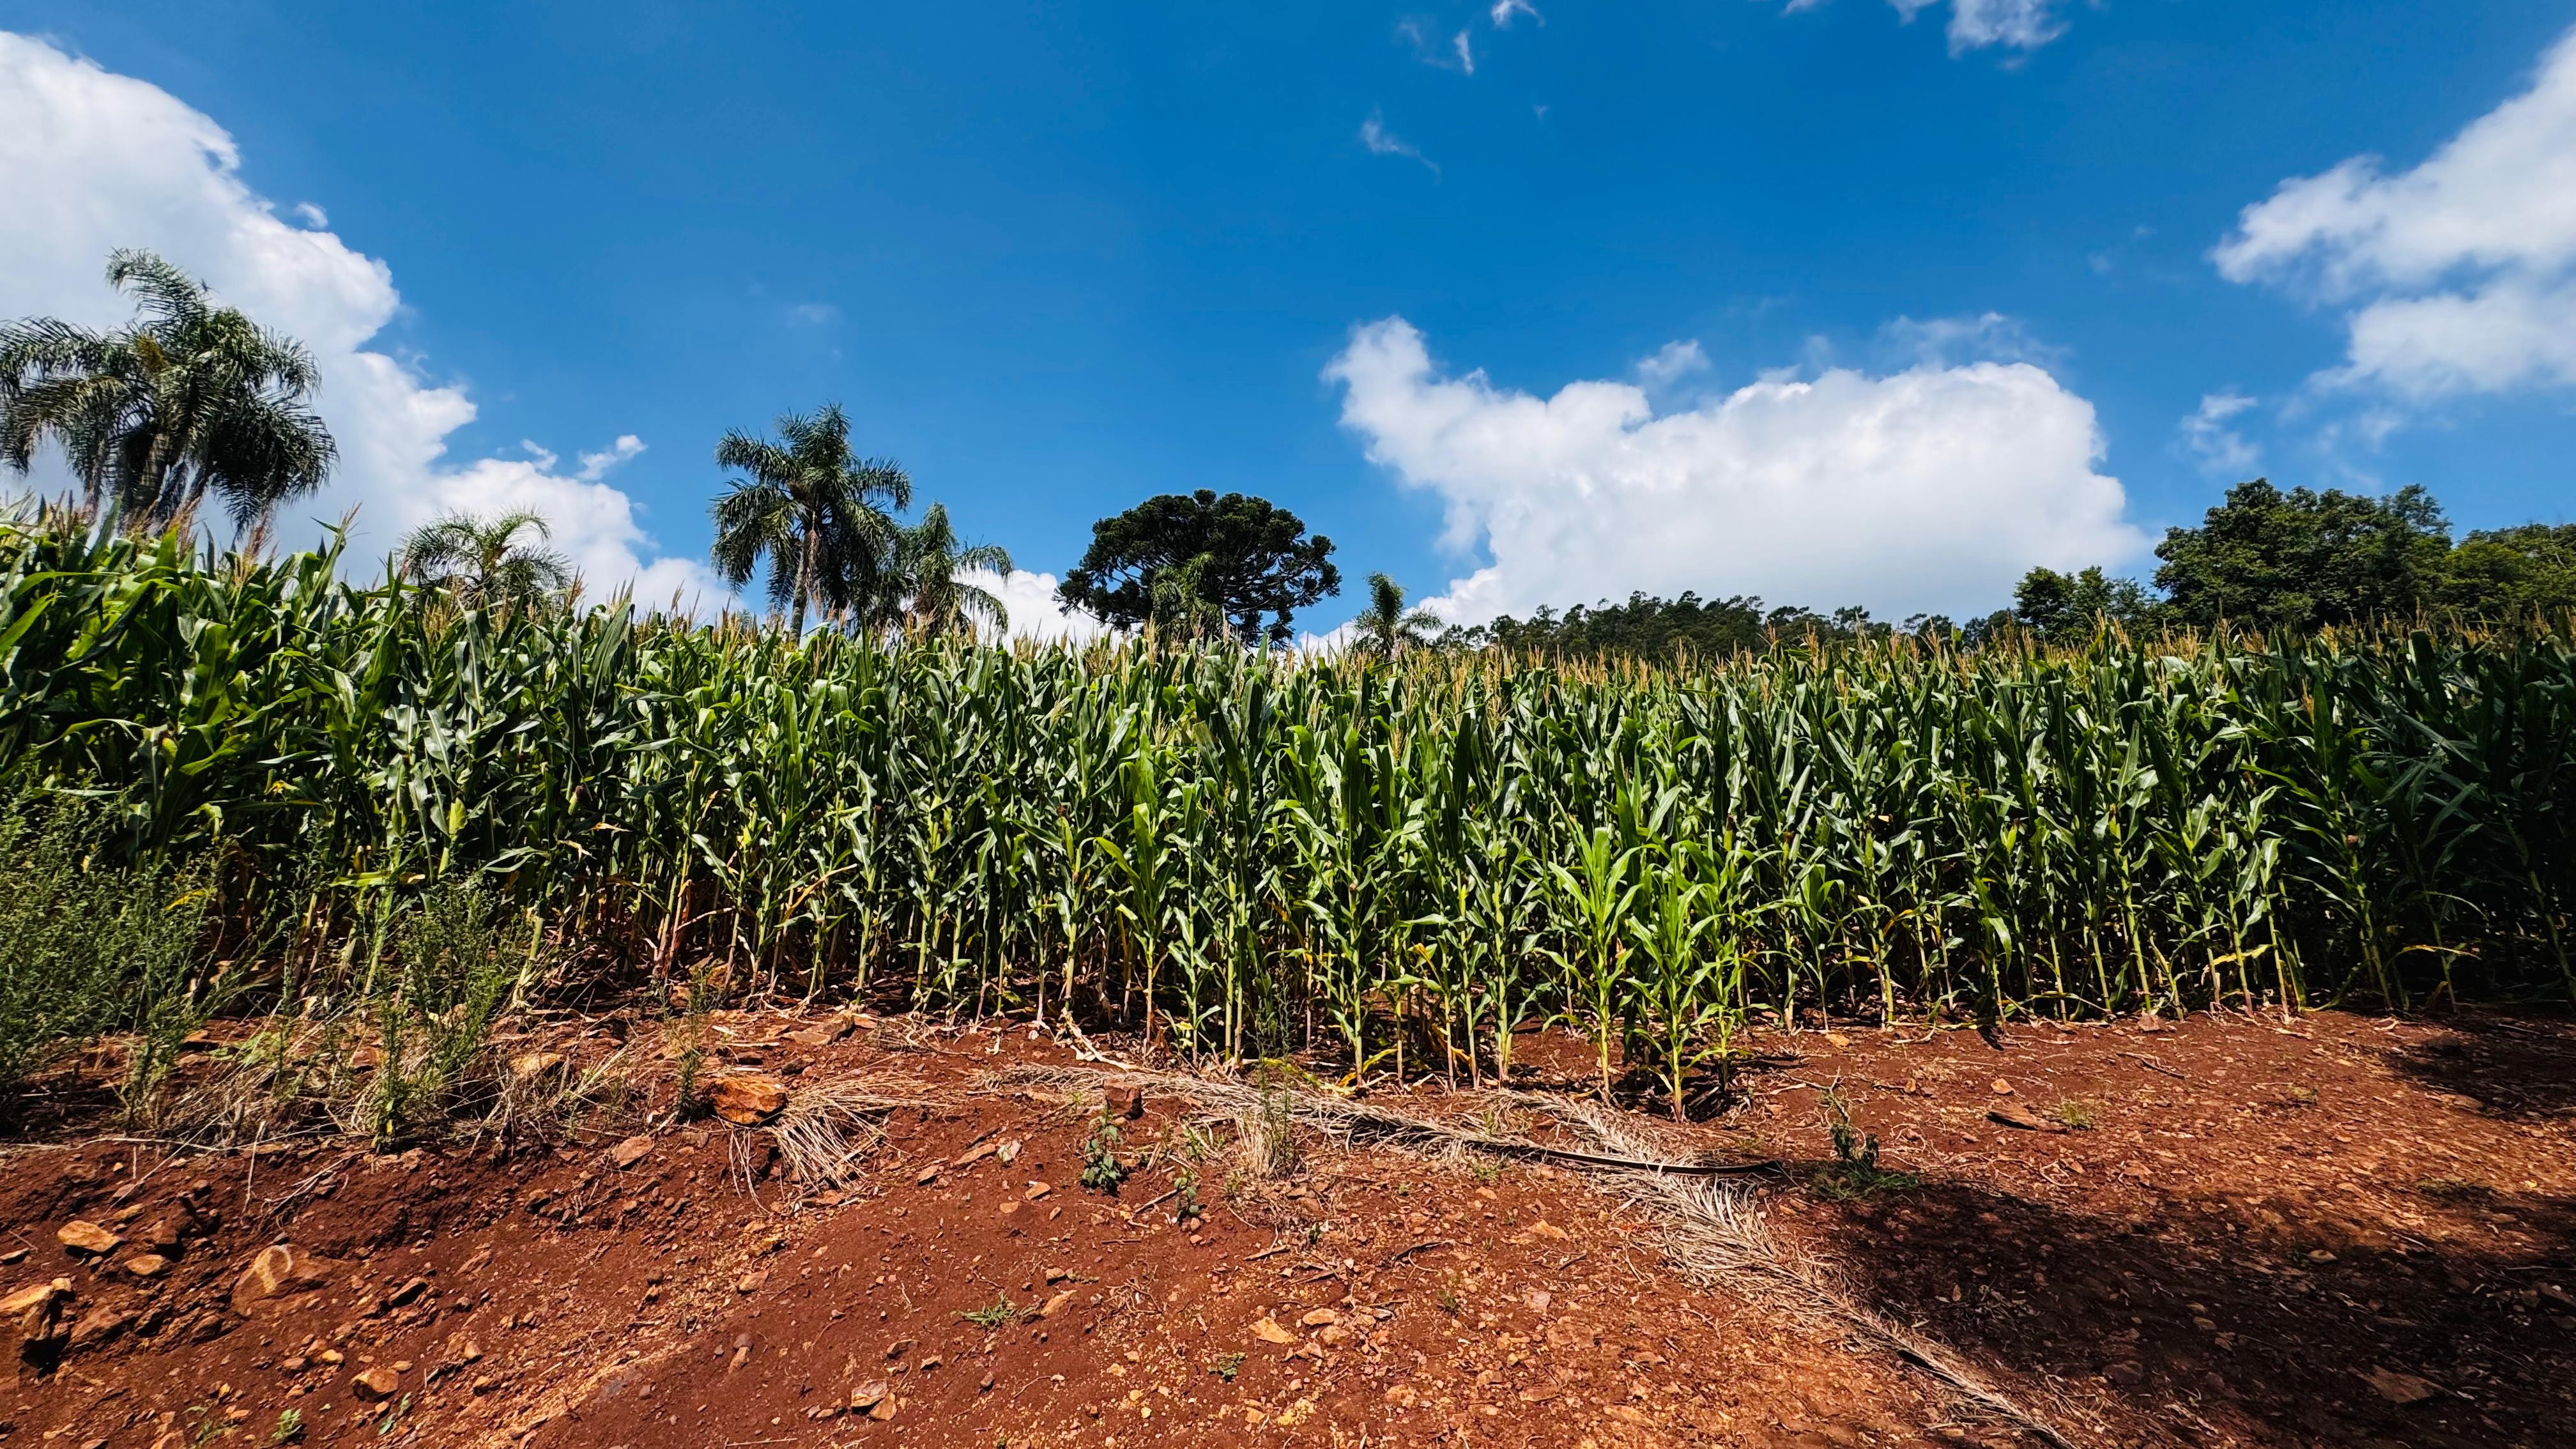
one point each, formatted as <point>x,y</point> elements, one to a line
<point>280,1271</point>
<point>747,1099</point>
<point>88,1238</point>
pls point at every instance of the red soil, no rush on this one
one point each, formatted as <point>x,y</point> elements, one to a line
<point>2344,1231</point>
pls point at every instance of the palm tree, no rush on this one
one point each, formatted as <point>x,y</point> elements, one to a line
<point>928,558</point>
<point>815,510</point>
<point>481,562</point>
<point>1385,628</point>
<point>187,399</point>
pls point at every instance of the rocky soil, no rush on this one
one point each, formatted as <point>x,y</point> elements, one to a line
<point>2228,1231</point>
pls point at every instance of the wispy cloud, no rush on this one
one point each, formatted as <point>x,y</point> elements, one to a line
<point>1504,10</point>
<point>1977,24</point>
<point>811,314</point>
<point>595,466</point>
<point>1456,54</point>
<point>313,216</point>
<point>1671,363</point>
<point>1382,142</point>
<point>2217,448</point>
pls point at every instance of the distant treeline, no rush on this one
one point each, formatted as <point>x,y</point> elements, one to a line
<point>2265,559</point>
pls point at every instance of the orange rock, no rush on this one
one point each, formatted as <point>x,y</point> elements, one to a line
<point>376,1384</point>
<point>631,1151</point>
<point>87,1237</point>
<point>1269,1331</point>
<point>279,1271</point>
<point>147,1265</point>
<point>747,1099</point>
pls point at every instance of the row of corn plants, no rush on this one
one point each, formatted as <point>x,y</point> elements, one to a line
<point>1245,854</point>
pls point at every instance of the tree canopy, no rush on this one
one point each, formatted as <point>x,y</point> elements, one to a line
<point>815,510</point>
<point>190,398</point>
<point>1173,557</point>
<point>2302,559</point>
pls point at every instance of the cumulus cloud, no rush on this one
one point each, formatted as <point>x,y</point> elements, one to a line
<point>1034,613</point>
<point>2460,274</point>
<point>1933,488</point>
<point>2219,449</point>
<point>97,161</point>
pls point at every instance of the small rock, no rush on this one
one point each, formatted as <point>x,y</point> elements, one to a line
<point>2399,1388</point>
<point>411,1289</point>
<point>80,1236</point>
<point>1539,1300</point>
<point>279,1271</point>
<point>1269,1331</point>
<point>975,1154</point>
<point>747,1098</point>
<point>99,1327</point>
<point>1838,1039</point>
<point>1056,1304</point>
<point>375,1385</point>
<point>926,1176</point>
<point>2008,1117</point>
<point>162,1236</point>
<point>2003,1088</point>
<point>1319,1318</point>
<point>631,1151</point>
<point>529,1067</point>
<point>1036,1190</point>
<point>1058,1275</point>
<point>752,1281</point>
<point>1008,1152</point>
<point>147,1265</point>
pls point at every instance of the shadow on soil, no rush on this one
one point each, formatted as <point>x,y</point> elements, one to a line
<point>2517,1067</point>
<point>2234,1320</point>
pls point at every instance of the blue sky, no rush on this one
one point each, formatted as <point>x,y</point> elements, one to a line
<point>1939,275</point>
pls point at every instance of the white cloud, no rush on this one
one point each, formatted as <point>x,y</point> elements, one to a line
<point>2461,273</point>
<point>2216,447</point>
<point>96,161</point>
<point>1466,55</point>
<point>1977,24</point>
<point>1946,341</point>
<point>1932,488</point>
<point>313,216</point>
<point>1671,363</point>
<point>1034,613</point>
<point>1382,142</point>
<point>1504,10</point>
<point>812,314</point>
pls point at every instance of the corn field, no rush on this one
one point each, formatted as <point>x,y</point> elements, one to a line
<point>1244,855</point>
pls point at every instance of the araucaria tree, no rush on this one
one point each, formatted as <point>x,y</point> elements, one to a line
<point>483,564</point>
<point>1170,558</point>
<point>815,510</point>
<point>189,398</point>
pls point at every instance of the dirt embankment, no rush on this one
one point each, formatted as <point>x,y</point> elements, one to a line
<point>2228,1232</point>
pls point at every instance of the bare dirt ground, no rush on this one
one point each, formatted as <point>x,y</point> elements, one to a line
<point>2227,1231</point>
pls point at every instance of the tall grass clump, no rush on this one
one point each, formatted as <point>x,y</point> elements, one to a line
<point>89,946</point>
<point>1244,854</point>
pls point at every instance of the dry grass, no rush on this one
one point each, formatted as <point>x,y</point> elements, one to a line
<point>1714,1228</point>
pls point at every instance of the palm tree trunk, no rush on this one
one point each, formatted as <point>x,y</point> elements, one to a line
<point>805,566</point>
